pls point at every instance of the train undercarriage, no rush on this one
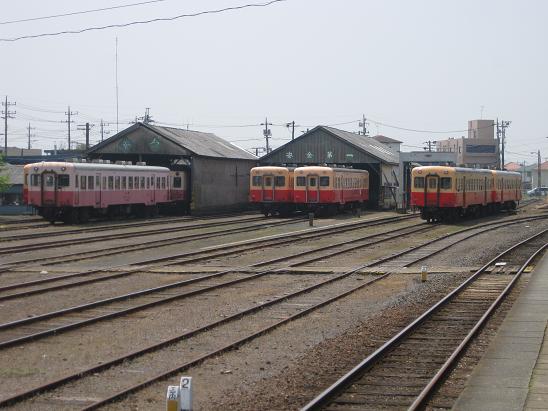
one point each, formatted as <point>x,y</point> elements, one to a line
<point>450,214</point>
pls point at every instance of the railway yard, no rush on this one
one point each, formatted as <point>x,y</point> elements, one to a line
<point>263,313</point>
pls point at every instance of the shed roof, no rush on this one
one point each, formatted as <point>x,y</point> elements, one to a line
<point>367,144</point>
<point>196,142</point>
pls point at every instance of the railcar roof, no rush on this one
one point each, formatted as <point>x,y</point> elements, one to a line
<point>466,170</point>
<point>324,168</point>
<point>272,168</point>
<point>97,166</point>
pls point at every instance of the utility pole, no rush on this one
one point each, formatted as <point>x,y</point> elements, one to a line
<point>538,167</point>
<point>86,128</point>
<point>103,132</point>
<point>429,143</point>
<point>29,128</point>
<point>267,133</point>
<point>147,118</point>
<point>69,114</point>
<point>292,125</point>
<point>498,146</point>
<point>504,125</point>
<point>6,113</point>
<point>363,124</point>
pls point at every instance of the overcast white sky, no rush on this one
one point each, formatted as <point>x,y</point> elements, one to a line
<point>422,64</point>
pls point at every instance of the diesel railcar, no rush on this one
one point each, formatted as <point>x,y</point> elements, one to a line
<point>271,188</point>
<point>74,192</point>
<point>328,190</point>
<point>446,193</point>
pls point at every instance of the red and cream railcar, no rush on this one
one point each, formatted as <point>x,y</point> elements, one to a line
<point>271,187</point>
<point>328,189</point>
<point>445,193</point>
<point>73,192</point>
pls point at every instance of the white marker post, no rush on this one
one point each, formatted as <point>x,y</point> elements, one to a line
<point>173,398</point>
<point>185,389</point>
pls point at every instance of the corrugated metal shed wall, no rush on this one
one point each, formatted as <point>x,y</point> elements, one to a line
<point>220,183</point>
<point>316,148</point>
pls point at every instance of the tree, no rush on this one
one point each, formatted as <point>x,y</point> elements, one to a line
<point>4,178</point>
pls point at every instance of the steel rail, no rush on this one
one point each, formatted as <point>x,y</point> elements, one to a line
<point>135,294</point>
<point>491,226</point>
<point>82,255</point>
<point>107,237</point>
<point>81,373</point>
<point>456,355</point>
<point>327,395</point>
<point>289,237</point>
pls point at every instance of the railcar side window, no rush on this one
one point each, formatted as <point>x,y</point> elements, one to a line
<point>445,183</point>
<point>279,181</point>
<point>98,182</point>
<point>324,181</point>
<point>130,182</point>
<point>124,182</point>
<point>104,183</point>
<point>110,182</point>
<point>419,182</point>
<point>157,182</point>
<point>148,182</point>
<point>142,185</point>
<point>90,183</point>
<point>177,182</point>
<point>163,182</point>
<point>63,180</point>
<point>76,179</point>
<point>257,181</point>
<point>83,182</point>
<point>301,181</point>
<point>117,183</point>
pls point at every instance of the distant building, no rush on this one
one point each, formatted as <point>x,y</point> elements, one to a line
<point>543,175</point>
<point>478,150</point>
<point>21,152</point>
<point>14,194</point>
<point>526,173</point>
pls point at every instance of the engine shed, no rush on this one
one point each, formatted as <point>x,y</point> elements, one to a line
<point>333,147</point>
<point>217,171</point>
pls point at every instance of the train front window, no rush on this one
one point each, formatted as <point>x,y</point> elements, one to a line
<point>324,181</point>
<point>279,181</point>
<point>177,182</point>
<point>419,182</point>
<point>257,181</point>
<point>445,183</point>
<point>312,181</point>
<point>268,181</point>
<point>432,183</point>
<point>50,179</point>
<point>301,181</point>
<point>35,180</point>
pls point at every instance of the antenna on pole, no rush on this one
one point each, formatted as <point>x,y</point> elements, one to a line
<point>117,119</point>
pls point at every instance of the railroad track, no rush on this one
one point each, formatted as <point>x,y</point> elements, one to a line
<point>65,281</point>
<point>404,372</point>
<point>146,245</point>
<point>115,225</point>
<point>291,310</point>
<point>53,323</point>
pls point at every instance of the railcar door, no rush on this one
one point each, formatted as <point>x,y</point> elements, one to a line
<point>98,190</point>
<point>432,191</point>
<point>312,189</point>
<point>268,187</point>
<point>49,188</point>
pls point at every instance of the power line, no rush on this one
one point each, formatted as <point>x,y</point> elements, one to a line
<point>133,23</point>
<point>74,13</point>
